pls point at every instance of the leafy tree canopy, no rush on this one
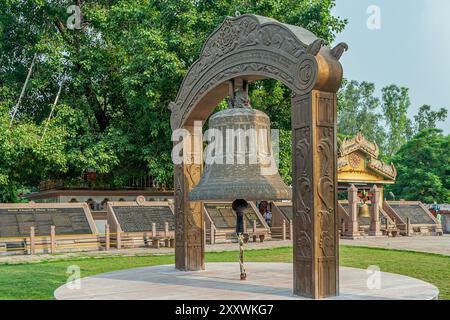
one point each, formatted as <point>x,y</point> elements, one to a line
<point>423,165</point>
<point>119,73</point>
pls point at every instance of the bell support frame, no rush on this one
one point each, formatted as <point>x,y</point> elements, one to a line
<point>250,48</point>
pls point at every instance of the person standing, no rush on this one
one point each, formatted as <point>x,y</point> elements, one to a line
<point>268,217</point>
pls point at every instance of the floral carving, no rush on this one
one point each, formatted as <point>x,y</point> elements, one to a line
<point>304,246</point>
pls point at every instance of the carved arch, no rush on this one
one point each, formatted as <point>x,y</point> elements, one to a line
<point>251,48</point>
<point>254,47</point>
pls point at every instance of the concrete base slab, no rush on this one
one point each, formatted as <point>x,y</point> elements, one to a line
<point>265,281</point>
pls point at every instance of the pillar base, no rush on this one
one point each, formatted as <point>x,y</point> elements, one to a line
<point>352,236</point>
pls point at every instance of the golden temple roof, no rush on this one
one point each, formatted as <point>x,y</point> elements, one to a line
<point>358,162</point>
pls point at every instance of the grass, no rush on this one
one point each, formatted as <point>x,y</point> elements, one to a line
<point>39,280</point>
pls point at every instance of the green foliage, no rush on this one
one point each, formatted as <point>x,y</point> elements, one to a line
<point>423,166</point>
<point>285,166</point>
<point>384,121</point>
<point>395,106</point>
<point>120,71</point>
<point>357,112</point>
<point>427,118</point>
<point>25,156</point>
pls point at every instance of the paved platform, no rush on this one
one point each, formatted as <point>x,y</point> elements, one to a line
<point>265,281</point>
<point>428,244</point>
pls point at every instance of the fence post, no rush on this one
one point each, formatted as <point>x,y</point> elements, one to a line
<point>213,234</point>
<point>166,229</point>
<point>283,235</point>
<point>291,230</point>
<point>119,238</point>
<point>52,239</point>
<point>107,239</point>
<point>342,227</point>
<point>204,234</point>
<point>32,241</point>
<point>153,230</point>
<point>408,227</point>
<point>166,235</point>
<point>254,226</point>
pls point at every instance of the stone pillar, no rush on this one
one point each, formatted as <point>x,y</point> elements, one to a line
<point>408,227</point>
<point>32,241</point>
<point>375,212</point>
<point>213,234</point>
<point>353,226</point>
<point>153,230</point>
<point>166,230</point>
<point>343,227</point>
<point>314,197</point>
<point>283,230</point>
<point>189,242</point>
<point>204,233</point>
<point>291,230</point>
<point>119,237</point>
<point>52,239</point>
<point>107,237</point>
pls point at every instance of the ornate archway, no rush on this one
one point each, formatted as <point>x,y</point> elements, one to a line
<point>251,47</point>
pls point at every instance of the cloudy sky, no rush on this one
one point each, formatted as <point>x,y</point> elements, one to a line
<point>411,48</point>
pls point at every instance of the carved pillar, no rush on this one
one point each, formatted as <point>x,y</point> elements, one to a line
<point>315,221</point>
<point>353,199</point>
<point>375,212</point>
<point>189,241</point>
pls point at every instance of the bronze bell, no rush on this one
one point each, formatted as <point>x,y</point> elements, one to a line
<point>252,173</point>
<point>363,211</point>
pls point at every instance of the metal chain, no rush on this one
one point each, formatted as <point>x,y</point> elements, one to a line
<point>241,256</point>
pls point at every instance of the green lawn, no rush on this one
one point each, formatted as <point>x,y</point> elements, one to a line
<point>39,280</point>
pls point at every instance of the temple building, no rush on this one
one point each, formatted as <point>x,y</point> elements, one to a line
<point>361,179</point>
<point>358,164</point>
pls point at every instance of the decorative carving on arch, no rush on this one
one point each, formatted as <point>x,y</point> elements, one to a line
<point>255,47</point>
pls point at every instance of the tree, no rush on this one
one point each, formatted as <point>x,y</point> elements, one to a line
<point>356,111</point>
<point>395,105</point>
<point>427,118</point>
<point>423,166</point>
<point>121,70</point>
<point>25,158</point>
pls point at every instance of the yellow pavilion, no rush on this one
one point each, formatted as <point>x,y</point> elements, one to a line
<point>358,164</point>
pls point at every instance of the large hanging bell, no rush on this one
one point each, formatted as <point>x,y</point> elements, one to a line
<point>242,167</point>
<point>363,211</point>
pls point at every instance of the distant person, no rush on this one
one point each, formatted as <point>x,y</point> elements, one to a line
<point>268,217</point>
<point>263,205</point>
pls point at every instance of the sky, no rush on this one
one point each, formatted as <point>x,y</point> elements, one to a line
<point>410,46</point>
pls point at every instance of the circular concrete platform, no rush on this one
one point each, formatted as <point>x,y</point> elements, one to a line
<point>265,281</point>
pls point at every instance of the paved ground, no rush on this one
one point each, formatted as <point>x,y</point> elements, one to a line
<point>431,244</point>
<point>439,245</point>
<point>265,281</point>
